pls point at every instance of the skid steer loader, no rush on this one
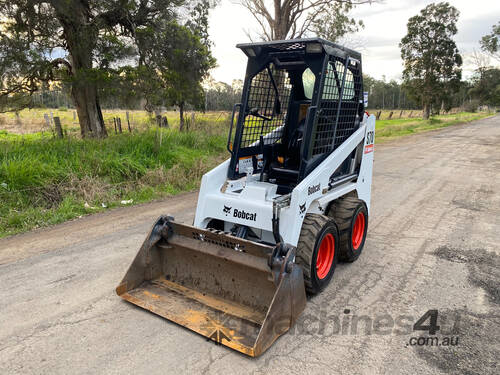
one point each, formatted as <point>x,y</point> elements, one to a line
<point>273,220</point>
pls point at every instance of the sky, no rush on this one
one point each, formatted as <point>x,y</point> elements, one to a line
<point>385,25</point>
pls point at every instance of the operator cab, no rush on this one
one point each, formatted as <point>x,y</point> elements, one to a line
<point>285,160</point>
<point>289,119</point>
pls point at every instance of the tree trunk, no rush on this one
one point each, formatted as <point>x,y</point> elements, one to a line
<point>81,36</point>
<point>427,111</point>
<point>181,113</point>
<point>280,26</point>
<point>89,111</point>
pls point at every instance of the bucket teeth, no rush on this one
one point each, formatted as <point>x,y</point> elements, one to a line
<point>195,278</point>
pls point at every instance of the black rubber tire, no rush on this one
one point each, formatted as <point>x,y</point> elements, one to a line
<point>314,229</point>
<point>344,211</point>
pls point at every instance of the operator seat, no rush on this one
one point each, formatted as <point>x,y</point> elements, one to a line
<point>286,167</point>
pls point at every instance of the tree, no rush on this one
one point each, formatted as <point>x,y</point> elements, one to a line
<point>334,22</point>
<point>486,86</point>
<point>178,62</point>
<point>288,19</point>
<point>386,95</point>
<point>221,96</point>
<point>480,60</point>
<point>490,43</point>
<point>431,58</point>
<point>191,63</point>
<point>80,42</point>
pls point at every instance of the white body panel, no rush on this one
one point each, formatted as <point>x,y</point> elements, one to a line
<point>249,202</point>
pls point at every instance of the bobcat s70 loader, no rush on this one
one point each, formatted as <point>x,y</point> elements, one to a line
<point>272,221</point>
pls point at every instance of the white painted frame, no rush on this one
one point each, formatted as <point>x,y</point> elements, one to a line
<point>257,197</point>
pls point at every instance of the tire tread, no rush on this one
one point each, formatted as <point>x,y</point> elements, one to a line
<point>312,225</point>
<point>342,211</point>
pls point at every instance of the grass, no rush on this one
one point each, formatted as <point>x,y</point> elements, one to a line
<point>389,129</point>
<point>46,181</point>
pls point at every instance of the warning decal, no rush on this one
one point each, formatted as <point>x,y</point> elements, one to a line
<point>370,138</point>
<point>244,164</point>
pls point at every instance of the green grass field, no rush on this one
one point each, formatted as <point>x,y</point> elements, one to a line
<point>388,129</point>
<point>45,181</point>
<point>32,120</point>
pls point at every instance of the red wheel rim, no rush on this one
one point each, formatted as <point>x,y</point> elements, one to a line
<point>324,259</point>
<point>358,231</point>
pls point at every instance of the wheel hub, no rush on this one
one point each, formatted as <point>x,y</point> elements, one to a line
<point>358,230</point>
<point>325,256</point>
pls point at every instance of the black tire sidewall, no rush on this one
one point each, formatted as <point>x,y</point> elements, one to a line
<point>330,227</point>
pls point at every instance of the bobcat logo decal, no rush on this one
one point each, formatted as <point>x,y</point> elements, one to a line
<point>302,208</point>
<point>227,210</point>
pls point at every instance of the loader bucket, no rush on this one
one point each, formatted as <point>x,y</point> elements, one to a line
<point>235,292</point>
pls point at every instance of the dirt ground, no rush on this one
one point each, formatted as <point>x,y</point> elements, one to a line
<point>432,245</point>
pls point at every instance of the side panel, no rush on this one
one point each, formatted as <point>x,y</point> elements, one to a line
<point>314,187</point>
<point>210,182</point>
<point>364,186</point>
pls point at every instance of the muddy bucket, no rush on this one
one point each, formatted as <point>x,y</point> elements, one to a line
<point>236,292</point>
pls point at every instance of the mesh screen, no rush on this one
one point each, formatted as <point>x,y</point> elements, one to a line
<point>288,46</point>
<point>262,96</point>
<point>329,134</point>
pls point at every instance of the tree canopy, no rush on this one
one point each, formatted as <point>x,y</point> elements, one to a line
<point>180,59</point>
<point>431,58</point>
<point>486,87</point>
<point>88,45</point>
<point>490,43</point>
<point>288,19</point>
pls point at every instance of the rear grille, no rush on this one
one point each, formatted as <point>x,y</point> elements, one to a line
<point>289,46</point>
<point>215,240</point>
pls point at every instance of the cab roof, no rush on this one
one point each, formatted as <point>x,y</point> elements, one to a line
<point>293,45</point>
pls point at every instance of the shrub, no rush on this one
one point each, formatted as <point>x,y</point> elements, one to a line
<point>471,106</point>
<point>435,121</point>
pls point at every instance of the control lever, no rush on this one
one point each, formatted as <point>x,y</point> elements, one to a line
<point>255,112</point>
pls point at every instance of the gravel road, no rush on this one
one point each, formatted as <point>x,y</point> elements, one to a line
<point>432,245</point>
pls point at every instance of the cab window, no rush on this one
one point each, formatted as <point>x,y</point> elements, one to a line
<point>308,80</point>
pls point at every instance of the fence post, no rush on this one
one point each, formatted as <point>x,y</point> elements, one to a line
<point>401,114</point>
<point>128,122</point>
<point>58,127</point>
<point>378,115</point>
<point>390,115</point>
<point>119,121</point>
<point>114,122</point>
<point>164,122</point>
<point>193,119</point>
<point>411,112</point>
<point>47,120</point>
